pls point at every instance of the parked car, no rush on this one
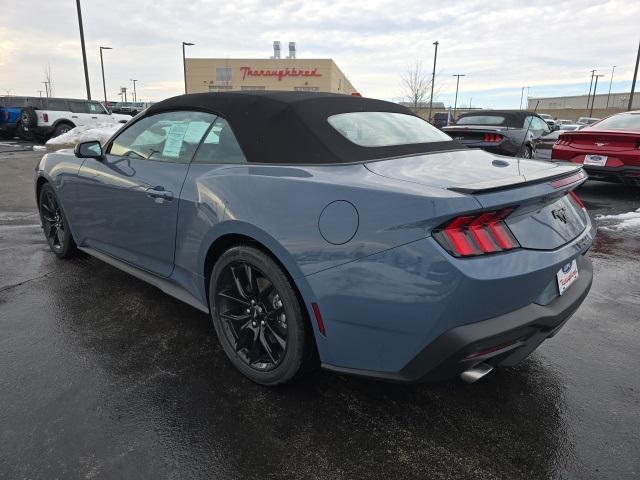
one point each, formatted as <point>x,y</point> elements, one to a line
<point>130,108</point>
<point>440,119</point>
<point>564,121</point>
<point>609,149</point>
<point>587,120</point>
<point>331,229</point>
<point>10,109</point>
<point>505,132</point>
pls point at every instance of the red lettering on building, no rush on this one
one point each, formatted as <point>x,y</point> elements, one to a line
<point>281,73</point>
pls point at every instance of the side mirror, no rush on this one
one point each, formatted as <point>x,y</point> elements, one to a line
<point>91,149</point>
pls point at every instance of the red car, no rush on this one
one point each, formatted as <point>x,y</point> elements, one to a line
<point>609,149</point>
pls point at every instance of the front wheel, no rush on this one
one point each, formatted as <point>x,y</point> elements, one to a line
<point>54,223</point>
<point>258,318</point>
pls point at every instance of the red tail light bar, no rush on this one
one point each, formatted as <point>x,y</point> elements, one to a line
<point>577,200</point>
<point>478,234</point>
<point>492,138</point>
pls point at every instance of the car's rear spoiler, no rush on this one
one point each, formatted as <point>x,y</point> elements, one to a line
<point>569,175</point>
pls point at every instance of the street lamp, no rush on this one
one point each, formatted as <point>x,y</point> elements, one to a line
<point>610,83</point>
<point>593,97</point>
<point>84,52</point>
<point>184,64</point>
<point>134,89</point>
<point>593,72</point>
<point>433,77</point>
<point>104,85</point>
<point>455,102</point>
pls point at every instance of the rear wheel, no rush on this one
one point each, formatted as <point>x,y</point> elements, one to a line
<point>258,318</point>
<point>527,152</point>
<point>54,223</point>
<point>61,129</point>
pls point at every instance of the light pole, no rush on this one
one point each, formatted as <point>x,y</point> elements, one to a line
<point>610,82</point>
<point>635,77</point>
<point>46,88</point>
<point>455,102</point>
<point>521,97</point>
<point>134,89</point>
<point>433,78</point>
<point>104,85</point>
<point>84,52</point>
<point>593,72</point>
<point>184,64</point>
<point>593,97</point>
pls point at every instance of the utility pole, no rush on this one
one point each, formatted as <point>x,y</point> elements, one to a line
<point>455,102</point>
<point>40,92</point>
<point>104,85</point>
<point>84,52</point>
<point>135,97</point>
<point>46,87</point>
<point>184,64</point>
<point>521,97</point>
<point>610,82</point>
<point>593,72</point>
<point>593,98</point>
<point>635,77</point>
<point>433,78</point>
<point>527,104</point>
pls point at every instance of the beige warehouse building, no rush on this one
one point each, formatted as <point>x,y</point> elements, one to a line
<point>290,74</point>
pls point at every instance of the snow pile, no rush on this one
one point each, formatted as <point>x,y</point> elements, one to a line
<point>87,133</point>
<point>628,221</point>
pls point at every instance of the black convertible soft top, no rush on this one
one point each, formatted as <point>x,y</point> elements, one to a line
<point>512,118</point>
<point>292,127</point>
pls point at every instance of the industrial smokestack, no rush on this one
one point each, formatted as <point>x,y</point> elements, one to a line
<point>292,50</point>
<point>276,49</point>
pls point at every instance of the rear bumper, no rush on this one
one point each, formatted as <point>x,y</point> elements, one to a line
<point>625,174</point>
<point>507,339</point>
<point>623,167</point>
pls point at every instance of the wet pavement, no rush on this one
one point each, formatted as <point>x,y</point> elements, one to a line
<point>104,376</point>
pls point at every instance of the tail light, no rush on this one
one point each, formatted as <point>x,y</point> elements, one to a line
<point>492,138</point>
<point>563,140</point>
<point>45,117</point>
<point>479,234</point>
<point>638,143</point>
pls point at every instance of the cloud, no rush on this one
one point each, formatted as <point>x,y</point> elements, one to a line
<point>502,46</point>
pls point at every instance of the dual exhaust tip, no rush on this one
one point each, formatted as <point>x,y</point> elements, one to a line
<point>476,372</point>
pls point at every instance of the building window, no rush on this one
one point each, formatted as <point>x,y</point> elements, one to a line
<point>219,88</point>
<point>306,89</point>
<point>247,87</point>
<point>223,74</point>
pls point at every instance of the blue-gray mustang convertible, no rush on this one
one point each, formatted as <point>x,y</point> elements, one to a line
<point>322,229</point>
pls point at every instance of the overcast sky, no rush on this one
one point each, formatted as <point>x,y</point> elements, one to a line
<point>550,46</point>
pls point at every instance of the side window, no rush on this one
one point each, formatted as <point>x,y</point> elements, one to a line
<point>220,145</point>
<point>542,125</point>
<point>56,104</point>
<point>528,123</point>
<point>78,106</point>
<point>96,107</point>
<point>167,137</point>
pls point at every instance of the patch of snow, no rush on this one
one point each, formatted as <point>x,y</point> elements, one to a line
<point>628,221</point>
<point>101,132</point>
<point>38,148</point>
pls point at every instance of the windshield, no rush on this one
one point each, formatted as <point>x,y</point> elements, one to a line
<point>624,121</point>
<point>382,129</point>
<point>495,120</point>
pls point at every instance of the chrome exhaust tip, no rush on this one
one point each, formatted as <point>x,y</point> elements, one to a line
<point>475,373</point>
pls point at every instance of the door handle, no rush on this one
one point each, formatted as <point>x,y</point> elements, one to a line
<point>159,193</point>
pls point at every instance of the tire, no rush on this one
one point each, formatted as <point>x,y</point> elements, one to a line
<point>22,133</point>
<point>28,117</point>
<point>55,224</point>
<point>60,129</point>
<point>258,317</point>
<point>527,152</point>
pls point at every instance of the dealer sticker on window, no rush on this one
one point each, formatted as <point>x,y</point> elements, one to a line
<point>567,275</point>
<point>597,160</point>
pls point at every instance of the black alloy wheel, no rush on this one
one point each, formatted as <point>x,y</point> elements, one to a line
<point>258,317</point>
<point>56,229</point>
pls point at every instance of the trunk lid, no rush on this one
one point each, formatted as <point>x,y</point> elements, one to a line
<point>544,218</point>
<point>601,140</point>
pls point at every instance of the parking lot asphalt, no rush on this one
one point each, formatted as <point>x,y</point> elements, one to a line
<point>104,376</point>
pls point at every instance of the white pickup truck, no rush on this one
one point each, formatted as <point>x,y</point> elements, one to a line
<point>44,118</point>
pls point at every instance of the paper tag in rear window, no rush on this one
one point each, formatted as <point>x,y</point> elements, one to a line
<point>567,275</point>
<point>596,160</point>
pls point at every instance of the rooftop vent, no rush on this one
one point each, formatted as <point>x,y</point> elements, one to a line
<point>276,49</point>
<point>292,50</point>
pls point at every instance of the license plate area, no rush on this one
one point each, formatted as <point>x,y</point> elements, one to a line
<point>595,160</point>
<point>567,275</point>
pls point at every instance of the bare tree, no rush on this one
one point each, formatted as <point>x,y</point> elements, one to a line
<point>416,85</point>
<point>48,78</point>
